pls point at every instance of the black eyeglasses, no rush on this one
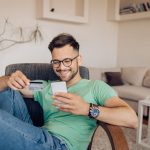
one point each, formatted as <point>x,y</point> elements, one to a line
<point>67,62</point>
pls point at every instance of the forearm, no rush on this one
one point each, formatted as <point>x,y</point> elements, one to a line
<point>122,116</point>
<point>26,93</point>
<point>3,82</point>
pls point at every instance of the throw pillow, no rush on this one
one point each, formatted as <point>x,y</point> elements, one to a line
<point>134,75</point>
<point>113,78</point>
<point>146,81</point>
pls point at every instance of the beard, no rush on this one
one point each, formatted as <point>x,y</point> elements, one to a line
<point>67,74</point>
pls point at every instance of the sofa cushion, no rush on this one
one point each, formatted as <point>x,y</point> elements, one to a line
<point>113,78</point>
<point>146,81</point>
<point>132,92</point>
<point>134,75</point>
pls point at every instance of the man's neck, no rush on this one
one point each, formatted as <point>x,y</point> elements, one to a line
<point>75,80</point>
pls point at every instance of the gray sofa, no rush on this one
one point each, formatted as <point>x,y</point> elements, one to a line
<point>131,83</point>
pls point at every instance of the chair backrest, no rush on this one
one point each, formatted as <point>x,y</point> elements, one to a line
<point>40,71</point>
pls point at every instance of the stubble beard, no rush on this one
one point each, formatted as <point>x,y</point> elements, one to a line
<point>70,77</point>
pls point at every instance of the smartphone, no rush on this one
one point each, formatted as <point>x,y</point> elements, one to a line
<point>36,85</point>
<point>58,87</point>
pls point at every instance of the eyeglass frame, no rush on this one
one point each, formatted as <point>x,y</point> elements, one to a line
<point>63,61</point>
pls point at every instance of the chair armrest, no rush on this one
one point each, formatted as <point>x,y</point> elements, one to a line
<point>115,135</point>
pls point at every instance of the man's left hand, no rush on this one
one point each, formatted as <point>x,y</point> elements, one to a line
<point>72,103</point>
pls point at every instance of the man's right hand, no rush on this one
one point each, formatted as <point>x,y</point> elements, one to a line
<point>18,81</point>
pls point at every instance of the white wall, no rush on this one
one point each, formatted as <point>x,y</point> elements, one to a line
<point>134,43</point>
<point>98,38</point>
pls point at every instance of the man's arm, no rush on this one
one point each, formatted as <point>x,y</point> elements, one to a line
<point>3,82</point>
<point>26,92</point>
<point>16,81</point>
<point>115,111</point>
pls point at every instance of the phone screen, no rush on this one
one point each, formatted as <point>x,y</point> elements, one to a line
<point>59,87</point>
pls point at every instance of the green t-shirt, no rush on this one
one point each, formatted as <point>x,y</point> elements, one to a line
<point>75,130</point>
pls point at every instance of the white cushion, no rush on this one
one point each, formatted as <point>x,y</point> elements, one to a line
<point>132,92</point>
<point>133,75</point>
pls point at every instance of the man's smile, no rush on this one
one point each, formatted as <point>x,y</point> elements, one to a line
<point>63,73</point>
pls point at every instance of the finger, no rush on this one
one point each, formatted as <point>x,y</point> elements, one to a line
<point>22,77</point>
<point>63,94</point>
<point>61,105</point>
<point>14,81</point>
<point>19,81</point>
<point>57,103</point>
<point>15,84</point>
<point>65,106</point>
<point>12,87</point>
<point>61,99</point>
<point>25,80</point>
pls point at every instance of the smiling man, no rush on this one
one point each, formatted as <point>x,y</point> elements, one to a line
<point>69,118</point>
<point>66,69</point>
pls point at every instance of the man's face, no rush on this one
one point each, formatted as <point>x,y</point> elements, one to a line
<point>66,73</point>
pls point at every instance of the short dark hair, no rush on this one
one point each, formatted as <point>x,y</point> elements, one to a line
<point>62,40</point>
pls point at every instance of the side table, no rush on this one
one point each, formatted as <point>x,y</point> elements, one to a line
<point>143,142</point>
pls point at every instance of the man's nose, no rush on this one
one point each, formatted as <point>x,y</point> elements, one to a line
<point>61,66</point>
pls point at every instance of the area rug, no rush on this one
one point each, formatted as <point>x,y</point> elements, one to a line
<point>101,141</point>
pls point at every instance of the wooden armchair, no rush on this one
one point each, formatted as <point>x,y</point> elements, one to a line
<point>44,71</point>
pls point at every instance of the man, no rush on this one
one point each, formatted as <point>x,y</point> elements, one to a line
<point>69,118</point>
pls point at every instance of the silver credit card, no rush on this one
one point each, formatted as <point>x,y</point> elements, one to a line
<point>36,85</point>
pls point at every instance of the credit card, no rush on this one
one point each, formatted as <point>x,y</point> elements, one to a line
<point>36,85</point>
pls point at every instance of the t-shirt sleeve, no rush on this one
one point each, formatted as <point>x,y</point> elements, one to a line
<point>37,95</point>
<point>103,92</point>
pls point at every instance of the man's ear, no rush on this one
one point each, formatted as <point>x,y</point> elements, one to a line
<point>80,60</point>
